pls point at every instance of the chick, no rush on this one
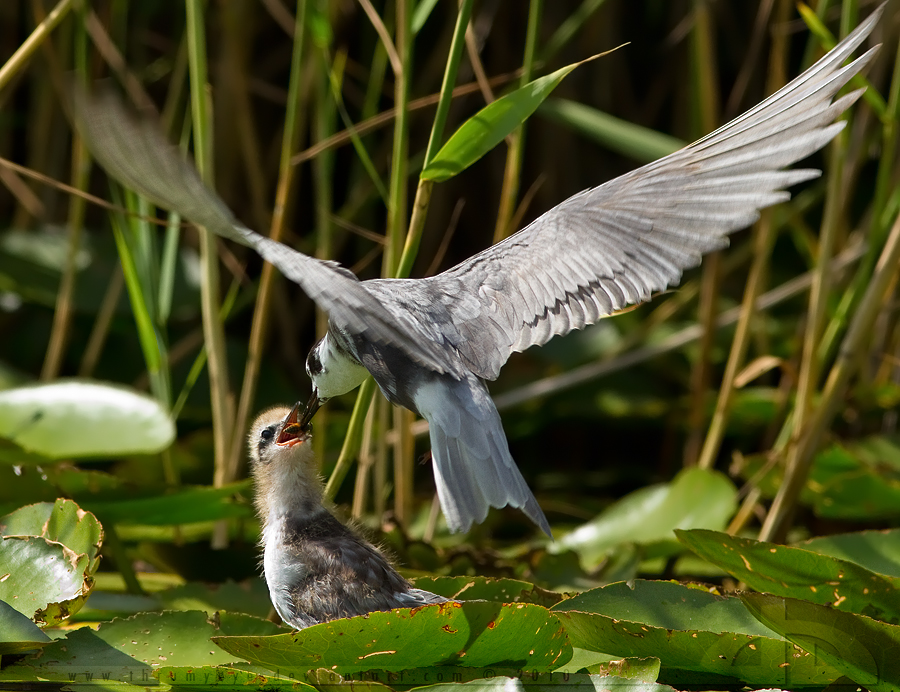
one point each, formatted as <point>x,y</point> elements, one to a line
<point>317,568</point>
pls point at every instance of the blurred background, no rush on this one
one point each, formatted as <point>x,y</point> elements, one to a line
<point>627,406</point>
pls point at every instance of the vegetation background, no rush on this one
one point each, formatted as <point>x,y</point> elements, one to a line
<point>795,407</point>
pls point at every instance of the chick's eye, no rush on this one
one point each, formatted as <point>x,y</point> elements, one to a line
<point>266,434</point>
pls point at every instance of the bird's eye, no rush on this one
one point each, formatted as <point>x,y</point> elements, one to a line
<point>267,434</point>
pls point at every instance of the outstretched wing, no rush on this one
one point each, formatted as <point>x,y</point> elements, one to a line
<point>135,153</point>
<point>616,244</point>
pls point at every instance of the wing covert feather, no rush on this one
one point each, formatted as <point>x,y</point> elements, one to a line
<point>137,155</point>
<point>615,245</point>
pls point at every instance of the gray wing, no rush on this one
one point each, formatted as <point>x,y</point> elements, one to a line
<point>615,245</point>
<point>138,156</point>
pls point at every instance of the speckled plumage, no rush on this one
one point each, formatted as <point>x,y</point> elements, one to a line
<point>430,343</point>
<point>317,569</point>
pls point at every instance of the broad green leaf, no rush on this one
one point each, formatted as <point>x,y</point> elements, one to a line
<point>863,649</point>
<point>184,506</point>
<point>548,682</point>
<point>696,498</point>
<point>226,678</point>
<point>878,551</point>
<point>62,521</point>
<point>488,589</point>
<point>17,632</point>
<point>125,650</point>
<point>798,573</point>
<point>472,634</point>
<point>634,141</point>
<point>80,418</point>
<point>489,126</point>
<point>645,669</point>
<point>42,579</point>
<point>695,634</point>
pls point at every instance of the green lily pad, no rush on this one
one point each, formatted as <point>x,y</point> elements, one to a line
<point>487,589</point>
<point>18,633</point>
<point>651,514</point>
<point>128,650</point>
<point>226,678</point>
<point>548,682</point>
<point>863,649</point>
<point>62,521</point>
<point>81,418</point>
<point>471,633</point>
<point>695,634</point>
<point>787,571</point>
<point>878,551</point>
<point>42,579</point>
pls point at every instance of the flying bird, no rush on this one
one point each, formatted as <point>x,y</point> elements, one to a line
<point>317,569</point>
<point>431,343</point>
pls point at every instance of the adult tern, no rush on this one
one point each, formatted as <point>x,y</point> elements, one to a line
<point>431,343</point>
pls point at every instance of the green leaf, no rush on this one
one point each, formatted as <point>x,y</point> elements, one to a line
<point>652,513</point>
<point>696,635</point>
<point>184,506</point>
<point>80,418</point>
<point>489,126</point>
<point>226,678</point>
<point>421,14</point>
<point>863,649</point>
<point>862,495</point>
<point>487,589</point>
<point>62,521</point>
<point>546,683</point>
<point>42,579</point>
<point>634,141</point>
<point>125,650</point>
<point>17,632</point>
<point>798,573</point>
<point>878,551</point>
<point>472,634</point>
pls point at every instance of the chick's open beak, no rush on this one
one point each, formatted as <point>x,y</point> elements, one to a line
<point>311,407</point>
<point>292,431</point>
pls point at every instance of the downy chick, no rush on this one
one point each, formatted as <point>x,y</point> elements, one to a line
<point>317,569</point>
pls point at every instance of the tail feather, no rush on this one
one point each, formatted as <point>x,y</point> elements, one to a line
<point>473,469</point>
